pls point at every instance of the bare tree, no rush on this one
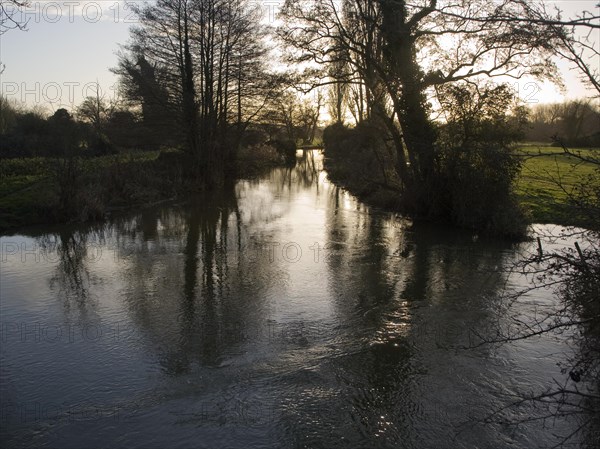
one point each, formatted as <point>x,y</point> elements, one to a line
<point>571,272</point>
<point>96,109</point>
<point>574,38</point>
<point>308,118</point>
<point>10,18</point>
<point>11,13</point>
<point>208,62</point>
<point>395,50</point>
<point>164,37</point>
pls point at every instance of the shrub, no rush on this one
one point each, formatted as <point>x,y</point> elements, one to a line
<point>285,148</point>
<point>475,188</point>
<point>253,137</point>
<point>359,153</point>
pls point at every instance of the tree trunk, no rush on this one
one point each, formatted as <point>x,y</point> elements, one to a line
<point>409,99</point>
<point>190,109</point>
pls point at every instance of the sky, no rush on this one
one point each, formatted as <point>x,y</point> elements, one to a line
<point>69,46</point>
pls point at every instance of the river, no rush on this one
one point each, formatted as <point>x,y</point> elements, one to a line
<point>282,312</point>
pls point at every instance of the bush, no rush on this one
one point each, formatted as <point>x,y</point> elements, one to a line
<point>476,165</point>
<point>475,188</point>
<point>360,153</point>
<point>285,148</point>
<point>254,137</point>
<point>335,137</point>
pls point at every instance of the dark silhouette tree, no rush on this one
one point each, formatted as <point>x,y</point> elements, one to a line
<point>205,60</point>
<point>143,87</point>
<point>395,49</point>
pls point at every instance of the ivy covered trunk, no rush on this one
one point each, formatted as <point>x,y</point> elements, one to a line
<point>407,93</point>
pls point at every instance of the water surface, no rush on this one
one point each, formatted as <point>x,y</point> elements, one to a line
<point>280,313</point>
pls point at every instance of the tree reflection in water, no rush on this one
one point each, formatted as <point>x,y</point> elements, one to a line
<point>75,249</point>
<point>364,342</point>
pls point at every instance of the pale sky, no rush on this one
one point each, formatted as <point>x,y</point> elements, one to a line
<point>72,44</point>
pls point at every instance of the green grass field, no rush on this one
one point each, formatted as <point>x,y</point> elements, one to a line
<point>549,177</point>
<point>28,186</point>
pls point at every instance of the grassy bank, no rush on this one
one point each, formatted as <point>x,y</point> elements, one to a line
<point>548,179</point>
<point>30,188</point>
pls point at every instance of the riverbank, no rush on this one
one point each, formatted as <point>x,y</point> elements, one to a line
<point>29,191</point>
<point>31,188</point>
<point>547,180</point>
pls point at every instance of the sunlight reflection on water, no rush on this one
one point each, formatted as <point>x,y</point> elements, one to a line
<point>281,313</point>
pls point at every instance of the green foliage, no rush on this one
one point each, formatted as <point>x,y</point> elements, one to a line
<point>45,190</point>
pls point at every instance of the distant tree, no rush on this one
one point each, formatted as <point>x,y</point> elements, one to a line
<point>65,138</point>
<point>144,88</point>
<point>287,110</point>
<point>575,122</point>
<point>125,130</point>
<point>579,119</point>
<point>295,117</point>
<point>338,92</point>
<point>8,115</point>
<point>9,119</point>
<point>308,118</point>
<point>64,134</point>
<point>61,116</point>
<point>28,137</point>
<point>95,110</point>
